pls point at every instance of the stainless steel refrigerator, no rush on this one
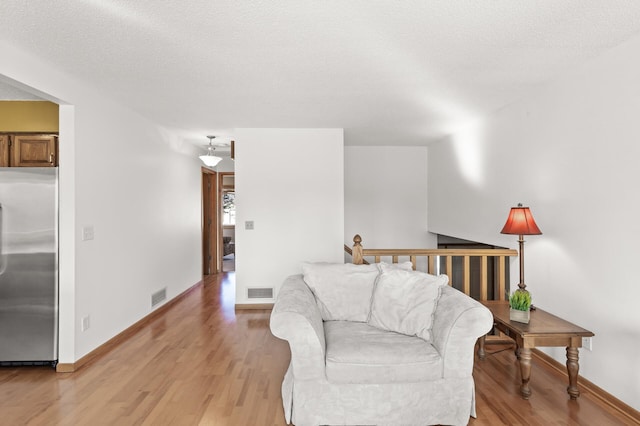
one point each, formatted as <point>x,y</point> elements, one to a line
<point>28,266</point>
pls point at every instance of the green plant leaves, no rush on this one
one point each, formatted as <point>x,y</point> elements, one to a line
<point>520,300</point>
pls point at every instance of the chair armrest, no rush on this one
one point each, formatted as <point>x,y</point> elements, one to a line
<point>458,322</point>
<point>296,318</point>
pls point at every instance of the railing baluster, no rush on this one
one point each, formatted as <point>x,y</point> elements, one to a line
<point>501,278</point>
<point>449,260</point>
<point>466,274</point>
<point>483,278</point>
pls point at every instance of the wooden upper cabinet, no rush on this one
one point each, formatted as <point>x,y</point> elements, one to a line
<point>34,151</point>
<point>4,151</point>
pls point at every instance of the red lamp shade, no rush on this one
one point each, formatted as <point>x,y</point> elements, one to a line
<point>520,222</point>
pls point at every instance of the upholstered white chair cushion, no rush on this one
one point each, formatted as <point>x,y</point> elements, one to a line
<point>342,290</point>
<point>358,353</point>
<point>404,301</point>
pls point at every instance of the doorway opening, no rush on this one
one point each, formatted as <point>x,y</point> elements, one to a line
<point>228,221</point>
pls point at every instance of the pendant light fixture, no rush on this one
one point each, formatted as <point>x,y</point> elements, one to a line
<point>210,160</point>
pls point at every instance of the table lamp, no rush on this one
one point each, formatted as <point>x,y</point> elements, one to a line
<point>520,222</point>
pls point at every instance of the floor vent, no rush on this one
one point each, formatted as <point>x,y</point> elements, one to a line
<point>260,293</point>
<point>158,296</point>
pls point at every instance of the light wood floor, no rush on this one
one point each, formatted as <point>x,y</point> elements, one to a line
<point>202,363</point>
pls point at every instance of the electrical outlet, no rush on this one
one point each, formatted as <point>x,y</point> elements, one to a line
<point>85,324</point>
<point>248,225</point>
<point>587,343</point>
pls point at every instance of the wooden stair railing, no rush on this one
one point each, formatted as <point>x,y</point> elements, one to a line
<point>432,255</point>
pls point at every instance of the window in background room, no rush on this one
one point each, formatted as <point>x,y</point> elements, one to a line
<point>229,208</point>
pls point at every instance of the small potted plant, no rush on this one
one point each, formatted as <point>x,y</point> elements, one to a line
<point>520,304</point>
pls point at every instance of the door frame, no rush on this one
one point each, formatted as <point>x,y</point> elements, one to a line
<point>210,222</point>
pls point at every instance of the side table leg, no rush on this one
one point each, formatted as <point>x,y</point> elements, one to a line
<point>525,371</point>
<point>573,368</point>
<point>481,353</point>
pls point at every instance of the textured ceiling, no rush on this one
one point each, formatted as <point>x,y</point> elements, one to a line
<point>388,72</point>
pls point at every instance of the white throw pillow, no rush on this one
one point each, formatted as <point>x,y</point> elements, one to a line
<point>343,290</point>
<point>404,301</point>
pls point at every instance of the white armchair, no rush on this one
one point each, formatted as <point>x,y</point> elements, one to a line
<point>349,372</point>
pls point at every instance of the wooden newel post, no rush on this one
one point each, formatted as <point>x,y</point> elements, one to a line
<point>358,259</point>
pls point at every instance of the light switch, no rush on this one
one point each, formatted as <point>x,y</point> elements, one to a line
<point>248,225</point>
<point>87,233</point>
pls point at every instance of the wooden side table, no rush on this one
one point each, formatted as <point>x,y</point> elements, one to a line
<point>544,329</point>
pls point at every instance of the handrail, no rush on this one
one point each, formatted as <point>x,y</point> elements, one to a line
<point>498,256</point>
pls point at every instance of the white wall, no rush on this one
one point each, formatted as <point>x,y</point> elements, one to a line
<point>290,182</point>
<point>386,197</point>
<point>226,165</point>
<point>570,153</point>
<point>121,174</point>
